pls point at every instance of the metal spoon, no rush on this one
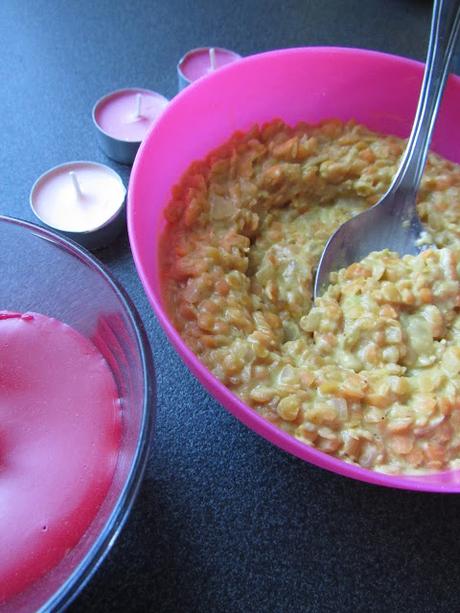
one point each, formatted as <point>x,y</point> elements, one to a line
<point>393,222</point>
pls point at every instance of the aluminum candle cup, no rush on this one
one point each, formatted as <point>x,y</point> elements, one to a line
<point>83,200</point>
<point>122,119</point>
<point>202,61</point>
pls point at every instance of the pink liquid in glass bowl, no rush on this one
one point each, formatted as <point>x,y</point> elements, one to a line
<point>47,274</point>
<point>305,84</point>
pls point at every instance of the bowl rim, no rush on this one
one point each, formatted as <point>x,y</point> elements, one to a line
<point>96,554</point>
<point>222,394</point>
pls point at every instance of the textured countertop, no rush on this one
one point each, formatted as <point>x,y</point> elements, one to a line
<point>224,521</point>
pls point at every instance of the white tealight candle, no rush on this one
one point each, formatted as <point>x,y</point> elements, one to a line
<point>84,200</point>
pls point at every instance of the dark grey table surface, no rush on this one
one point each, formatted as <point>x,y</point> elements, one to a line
<point>224,521</point>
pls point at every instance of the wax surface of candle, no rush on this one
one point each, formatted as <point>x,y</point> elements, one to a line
<point>60,428</point>
<point>117,113</point>
<point>197,62</point>
<point>60,205</point>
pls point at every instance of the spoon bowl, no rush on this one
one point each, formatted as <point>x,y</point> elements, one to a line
<point>380,227</point>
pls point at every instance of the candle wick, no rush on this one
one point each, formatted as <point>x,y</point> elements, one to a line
<point>76,184</point>
<point>138,106</point>
<point>212,58</point>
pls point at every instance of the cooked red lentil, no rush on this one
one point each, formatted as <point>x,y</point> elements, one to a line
<point>371,371</point>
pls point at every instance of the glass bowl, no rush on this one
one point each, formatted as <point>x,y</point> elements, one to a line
<point>305,84</point>
<point>42,272</point>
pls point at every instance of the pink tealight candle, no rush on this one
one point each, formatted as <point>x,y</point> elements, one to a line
<point>200,62</point>
<point>83,200</point>
<point>123,118</point>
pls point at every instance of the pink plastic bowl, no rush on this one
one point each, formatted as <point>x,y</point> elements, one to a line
<point>307,84</point>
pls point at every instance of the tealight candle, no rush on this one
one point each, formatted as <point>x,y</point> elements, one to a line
<point>123,118</point>
<point>83,200</point>
<point>200,62</point>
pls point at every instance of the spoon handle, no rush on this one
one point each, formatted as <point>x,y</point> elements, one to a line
<point>443,35</point>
